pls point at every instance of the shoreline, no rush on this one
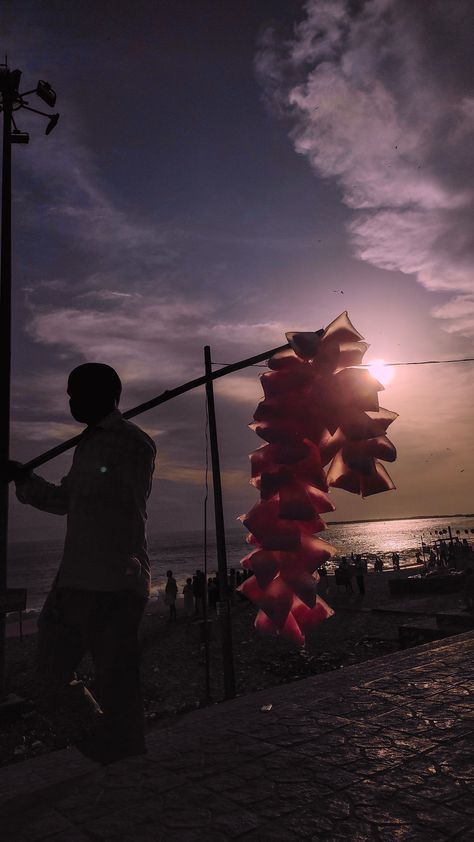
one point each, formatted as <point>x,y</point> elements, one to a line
<point>155,604</point>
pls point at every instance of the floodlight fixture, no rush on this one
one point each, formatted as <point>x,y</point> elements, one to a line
<point>19,137</point>
<point>9,81</point>
<point>46,93</point>
<point>52,123</point>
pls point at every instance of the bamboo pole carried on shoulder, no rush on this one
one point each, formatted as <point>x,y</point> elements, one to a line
<point>165,396</point>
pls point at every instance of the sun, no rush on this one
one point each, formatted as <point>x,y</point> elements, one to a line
<point>383,373</point>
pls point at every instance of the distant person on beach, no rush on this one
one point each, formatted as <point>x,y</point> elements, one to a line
<point>378,564</point>
<point>360,574</point>
<point>101,589</point>
<point>171,593</point>
<point>188,598</point>
<point>396,561</point>
<point>323,580</point>
<point>199,585</point>
<point>345,574</point>
<point>212,593</point>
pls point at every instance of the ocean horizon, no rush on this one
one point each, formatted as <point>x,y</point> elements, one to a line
<point>33,564</point>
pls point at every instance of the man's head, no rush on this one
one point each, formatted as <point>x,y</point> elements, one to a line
<point>94,391</point>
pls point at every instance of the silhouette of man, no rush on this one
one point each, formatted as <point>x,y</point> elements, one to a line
<point>98,597</point>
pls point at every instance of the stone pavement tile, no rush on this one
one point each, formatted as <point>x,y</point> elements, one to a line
<point>223,782</point>
<point>251,770</point>
<point>274,808</point>
<point>409,833</point>
<point>453,760</point>
<point>80,810</point>
<point>456,693</point>
<point>386,738</point>
<point>72,835</point>
<point>286,735</point>
<point>235,824</point>
<point>308,826</point>
<point>196,795</point>
<point>271,832</point>
<point>43,825</point>
<point>329,720</point>
<point>361,704</point>
<point>42,772</point>
<point>437,816</point>
<point>415,721</point>
<point>157,833</point>
<point>331,777</point>
<point>463,803</point>
<point>109,827</point>
<point>186,817</point>
<point>428,783</point>
<point>146,814</point>
<point>181,764</point>
<point>300,795</point>
<point>248,795</point>
<point>297,771</point>
<point>360,759</point>
<point>162,781</point>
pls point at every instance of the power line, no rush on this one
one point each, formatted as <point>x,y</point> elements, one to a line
<point>368,365</point>
<point>427,362</point>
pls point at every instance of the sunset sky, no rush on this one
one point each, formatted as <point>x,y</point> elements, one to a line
<point>222,173</point>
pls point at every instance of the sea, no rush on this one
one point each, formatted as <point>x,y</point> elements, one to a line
<point>33,565</point>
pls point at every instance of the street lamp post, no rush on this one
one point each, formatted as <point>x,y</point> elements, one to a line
<point>11,101</point>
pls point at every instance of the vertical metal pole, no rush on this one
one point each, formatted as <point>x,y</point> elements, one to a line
<point>5,355</point>
<point>224,613</point>
<point>205,627</point>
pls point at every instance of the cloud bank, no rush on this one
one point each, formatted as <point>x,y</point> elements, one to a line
<point>380,95</point>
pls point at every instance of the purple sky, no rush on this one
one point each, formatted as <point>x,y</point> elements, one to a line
<point>222,173</point>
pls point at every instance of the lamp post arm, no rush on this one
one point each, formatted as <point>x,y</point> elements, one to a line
<point>34,110</point>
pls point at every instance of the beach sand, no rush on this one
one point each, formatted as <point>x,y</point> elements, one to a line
<point>173,669</point>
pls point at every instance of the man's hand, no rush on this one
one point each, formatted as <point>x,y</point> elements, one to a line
<point>14,471</point>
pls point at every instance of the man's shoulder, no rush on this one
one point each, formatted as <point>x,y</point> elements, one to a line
<point>134,436</point>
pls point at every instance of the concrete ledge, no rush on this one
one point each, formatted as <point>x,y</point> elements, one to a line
<point>427,584</point>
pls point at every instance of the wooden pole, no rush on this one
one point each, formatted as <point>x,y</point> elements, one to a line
<point>224,601</point>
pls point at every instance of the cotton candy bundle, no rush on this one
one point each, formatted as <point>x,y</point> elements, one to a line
<point>322,426</point>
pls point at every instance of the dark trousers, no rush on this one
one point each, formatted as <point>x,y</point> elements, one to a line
<point>105,624</point>
<point>360,584</point>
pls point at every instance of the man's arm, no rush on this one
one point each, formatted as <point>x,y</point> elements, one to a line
<point>136,474</point>
<point>43,495</point>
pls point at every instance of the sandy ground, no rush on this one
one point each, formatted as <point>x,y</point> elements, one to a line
<point>173,664</point>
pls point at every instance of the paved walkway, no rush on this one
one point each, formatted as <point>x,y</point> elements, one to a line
<point>382,751</point>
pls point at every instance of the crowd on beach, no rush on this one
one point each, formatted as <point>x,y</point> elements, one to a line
<point>446,553</point>
<point>201,593</point>
<point>198,587</point>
